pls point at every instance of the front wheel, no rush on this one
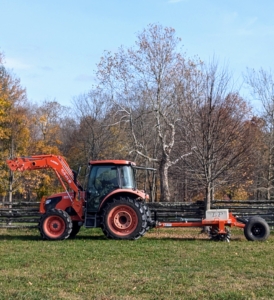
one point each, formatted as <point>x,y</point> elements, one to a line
<point>124,219</point>
<point>55,224</point>
<point>256,229</point>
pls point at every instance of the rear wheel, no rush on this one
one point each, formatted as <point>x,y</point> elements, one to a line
<point>55,224</point>
<point>256,229</point>
<point>150,222</point>
<point>124,218</point>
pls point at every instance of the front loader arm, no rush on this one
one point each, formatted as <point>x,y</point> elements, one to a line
<point>37,162</point>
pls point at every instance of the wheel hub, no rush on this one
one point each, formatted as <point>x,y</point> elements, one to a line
<point>54,225</point>
<point>256,230</point>
<point>122,220</point>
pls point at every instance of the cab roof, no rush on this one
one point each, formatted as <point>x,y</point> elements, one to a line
<point>112,162</point>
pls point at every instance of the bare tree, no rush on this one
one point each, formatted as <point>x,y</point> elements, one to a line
<point>261,84</point>
<point>141,84</point>
<point>216,121</point>
<point>47,122</point>
<point>95,137</point>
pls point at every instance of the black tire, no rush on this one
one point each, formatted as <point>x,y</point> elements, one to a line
<point>75,229</point>
<point>55,224</point>
<point>256,229</point>
<point>150,222</point>
<point>124,219</point>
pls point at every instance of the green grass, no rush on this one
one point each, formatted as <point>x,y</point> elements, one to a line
<point>165,264</point>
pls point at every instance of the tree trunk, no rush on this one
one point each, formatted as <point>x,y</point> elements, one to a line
<point>208,196</point>
<point>269,173</point>
<point>185,189</point>
<point>10,187</point>
<point>11,177</point>
<point>163,172</point>
<point>153,188</point>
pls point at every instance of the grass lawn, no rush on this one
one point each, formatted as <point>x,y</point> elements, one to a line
<point>165,264</point>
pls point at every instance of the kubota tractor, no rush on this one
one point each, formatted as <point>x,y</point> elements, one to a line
<point>110,200</point>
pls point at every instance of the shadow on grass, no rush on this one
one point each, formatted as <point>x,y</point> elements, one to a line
<point>22,237</point>
<point>189,239</point>
<point>103,238</point>
<point>161,236</point>
<point>201,237</point>
<point>178,239</point>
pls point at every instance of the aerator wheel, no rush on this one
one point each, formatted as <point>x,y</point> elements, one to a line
<point>55,225</point>
<point>256,229</point>
<point>124,218</point>
<point>215,235</point>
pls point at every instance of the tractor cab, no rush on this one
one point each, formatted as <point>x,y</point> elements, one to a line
<point>105,177</point>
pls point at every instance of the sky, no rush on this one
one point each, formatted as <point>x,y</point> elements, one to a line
<point>53,46</point>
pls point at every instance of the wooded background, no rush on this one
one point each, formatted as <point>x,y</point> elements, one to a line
<point>153,105</point>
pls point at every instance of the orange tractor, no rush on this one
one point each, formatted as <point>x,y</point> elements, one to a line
<point>112,201</point>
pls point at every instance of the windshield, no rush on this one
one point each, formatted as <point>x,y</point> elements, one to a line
<point>127,177</point>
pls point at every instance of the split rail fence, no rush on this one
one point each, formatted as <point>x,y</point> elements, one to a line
<point>26,214</point>
<point>192,211</point>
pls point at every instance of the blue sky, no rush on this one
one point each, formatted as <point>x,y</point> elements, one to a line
<point>53,46</point>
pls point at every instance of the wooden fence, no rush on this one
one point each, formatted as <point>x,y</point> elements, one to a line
<point>191,211</point>
<point>19,214</point>
<point>25,214</point>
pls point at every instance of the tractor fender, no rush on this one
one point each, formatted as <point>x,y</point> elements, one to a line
<point>124,192</point>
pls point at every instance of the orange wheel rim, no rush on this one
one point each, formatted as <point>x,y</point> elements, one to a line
<point>54,226</point>
<point>122,220</point>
